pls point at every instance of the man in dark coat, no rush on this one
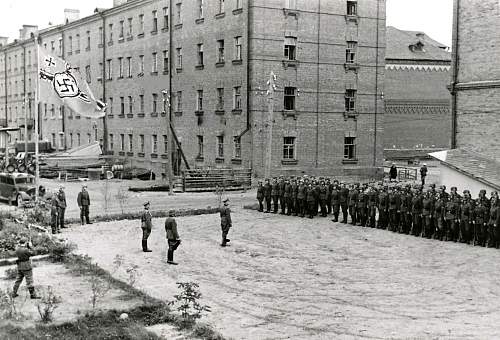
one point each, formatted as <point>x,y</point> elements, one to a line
<point>481,216</point>
<point>146,226</point>
<point>225,222</point>
<point>287,198</point>
<point>260,196</point>
<point>172,235</point>
<point>393,173</point>
<point>353,201</point>
<point>427,214</point>
<point>61,206</point>
<point>423,173</point>
<point>343,201</point>
<point>83,201</point>
<point>267,195</point>
<point>275,195</point>
<point>293,200</point>
<point>466,218</point>
<point>281,194</point>
<point>301,199</point>
<point>311,200</point>
<point>24,269</point>
<point>335,201</point>
<point>322,197</point>
<point>383,208</point>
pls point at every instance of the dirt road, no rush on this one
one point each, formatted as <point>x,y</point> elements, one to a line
<point>293,278</point>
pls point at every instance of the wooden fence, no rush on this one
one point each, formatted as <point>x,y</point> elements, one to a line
<point>210,179</point>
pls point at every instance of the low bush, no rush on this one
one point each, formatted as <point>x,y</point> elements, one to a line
<point>12,232</point>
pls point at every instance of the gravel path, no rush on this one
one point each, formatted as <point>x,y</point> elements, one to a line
<point>292,278</point>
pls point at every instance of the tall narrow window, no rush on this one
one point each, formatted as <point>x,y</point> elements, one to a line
<point>109,69</point>
<point>350,100</point>
<point>122,30</point>
<point>200,8</point>
<point>101,36</point>
<point>141,24</point>
<point>220,99</point>
<point>52,111</point>
<point>200,147</point>
<point>155,22</point>
<point>220,6</point>
<point>350,148</point>
<point>289,103</point>
<point>141,143</point>
<point>237,147</point>
<point>179,101</point>
<point>220,146</point>
<point>130,105</point>
<point>110,28</point>
<point>288,147</point>
<point>88,74</point>
<point>199,100</point>
<point>130,27</point>
<point>71,140</point>
<point>109,107</point>
<point>141,103</point>
<point>77,43</point>
<point>179,13</point>
<point>70,45</point>
<point>129,67</point>
<point>130,143</point>
<point>87,48</point>
<point>179,57</point>
<point>141,65</point>
<point>350,52</point>
<point>122,142</point>
<point>122,106</point>
<point>352,8</point>
<point>165,144</point>
<point>290,48</point>
<point>220,51</point>
<point>237,48</point>
<point>165,18</point>
<point>200,54</point>
<point>237,98</point>
<point>79,140</point>
<point>165,62</point>
<point>111,141</point>
<point>154,144</point>
<point>120,67</point>
<point>155,103</point>
<point>154,66</point>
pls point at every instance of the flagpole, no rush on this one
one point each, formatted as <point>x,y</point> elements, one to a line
<point>37,106</point>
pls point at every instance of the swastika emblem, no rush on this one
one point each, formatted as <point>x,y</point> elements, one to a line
<point>65,85</point>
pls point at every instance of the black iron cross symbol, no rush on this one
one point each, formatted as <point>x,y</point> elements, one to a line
<point>50,62</point>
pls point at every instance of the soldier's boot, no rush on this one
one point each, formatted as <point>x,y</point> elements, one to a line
<point>32,293</point>
<point>170,257</point>
<point>223,243</point>
<point>14,290</point>
<point>145,246</point>
<point>336,217</point>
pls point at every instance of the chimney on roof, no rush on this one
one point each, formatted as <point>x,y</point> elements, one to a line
<point>3,41</point>
<point>27,31</point>
<point>118,2</point>
<point>71,15</point>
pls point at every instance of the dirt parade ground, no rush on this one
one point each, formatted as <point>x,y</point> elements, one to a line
<point>292,278</point>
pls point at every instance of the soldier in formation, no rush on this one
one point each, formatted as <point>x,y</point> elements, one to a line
<point>424,211</point>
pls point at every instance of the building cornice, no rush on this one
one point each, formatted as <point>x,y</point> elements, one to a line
<point>418,67</point>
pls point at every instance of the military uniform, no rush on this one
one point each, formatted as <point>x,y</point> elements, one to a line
<point>393,210</point>
<point>416,213</point>
<point>146,226</point>
<point>61,207</point>
<point>451,217</point>
<point>281,194</point>
<point>439,209</point>
<point>24,269</point>
<point>293,199</point>
<point>54,221</point>
<point>225,222</point>
<point>343,201</point>
<point>260,196</point>
<point>322,196</point>
<point>173,239</point>
<point>427,214</point>
<point>352,202</point>
<point>361,208</point>
<point>383,208</point>
<point>335,202</point>
<point>301,199</point>
<point>466,220</point>
<point>372,207</point>
<point>287,195</point>
<point>311,200</point>
<point>405,211</point>
<point>267,195</point>
<point>494,223</point>
<point>83,201</point>
<point>481,219</point>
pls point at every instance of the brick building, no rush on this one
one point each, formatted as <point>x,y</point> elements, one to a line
<point>475,84</point>
<point>417,101</point>
<point>213,59</point>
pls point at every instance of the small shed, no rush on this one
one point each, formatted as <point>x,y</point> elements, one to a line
<point>466,169</point>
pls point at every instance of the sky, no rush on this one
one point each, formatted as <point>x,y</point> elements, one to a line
<point>433,17</point>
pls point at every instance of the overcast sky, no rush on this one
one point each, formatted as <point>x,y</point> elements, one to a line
<point>434,17</point>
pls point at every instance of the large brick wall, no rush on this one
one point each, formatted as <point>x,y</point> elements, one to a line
<point>478,78</point>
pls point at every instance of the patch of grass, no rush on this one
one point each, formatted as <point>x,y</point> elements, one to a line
<point>12,232</point>
<point>137,215</point>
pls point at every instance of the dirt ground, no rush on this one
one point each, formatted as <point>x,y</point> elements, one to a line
<point>74,291</point>
<point>292,278</point>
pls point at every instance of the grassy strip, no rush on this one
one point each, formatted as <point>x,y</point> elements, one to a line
<point>137,215</point>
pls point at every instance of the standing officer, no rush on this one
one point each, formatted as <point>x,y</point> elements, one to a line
<point>466,218</point>
<point>344,200</point>
<point>83,201</point>
<point>54,222</point>
<point>311,200</point>
<point>329,186</point>
<point>494,222</point>
<point>225,222</point>
<point>394,206</point>
<point>439,209</point>
<point>267,195</point>
<point>372,206</point>
<point>352,201</point>
<point>405,210</point>
<point>301,199</point>
<point>383,207</point>
<point>287,195</point>
<point>24,269</point>
<point>275,195</point>
<point>361,207</point>
<point>323,195</point>
<point>260,196</point>
<point>293,199</point>
<point>146,226</point>
<point>173,239</point>
<point>452,215</point>
<point>317,189</point>
<point>61,206</point>
<point>427,214</point>
<point>335,201</point>
<point>423,173</point>
<point>416,212</point>
<point>481,216</point>
<point>281,194</point>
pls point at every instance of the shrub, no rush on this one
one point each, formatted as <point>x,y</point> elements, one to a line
<point>188,304</point>
<point>8,307</point>
<point>47,304</point>
<point>60,250</point>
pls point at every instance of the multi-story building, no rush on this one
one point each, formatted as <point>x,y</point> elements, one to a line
<point>417,100</point>
<point>208,61</point>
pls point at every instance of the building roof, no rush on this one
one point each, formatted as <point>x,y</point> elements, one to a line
<point>415,46</point>
<point>471,164</point>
